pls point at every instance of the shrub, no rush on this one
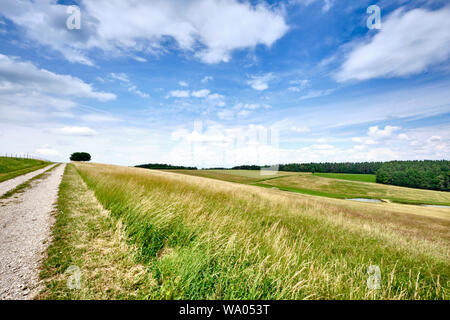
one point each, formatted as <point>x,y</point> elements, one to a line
<point>80,156</point>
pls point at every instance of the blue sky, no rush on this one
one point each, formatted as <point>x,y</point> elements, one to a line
<point>220,83</point>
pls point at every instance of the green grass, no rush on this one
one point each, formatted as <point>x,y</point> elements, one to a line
<point>339,186</point>
<point>348,176</point>
<point>206,239</point>
<point>14,167</point>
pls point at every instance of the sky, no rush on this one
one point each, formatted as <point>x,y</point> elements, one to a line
<point>218,83</point>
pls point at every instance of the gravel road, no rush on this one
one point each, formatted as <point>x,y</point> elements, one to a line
<point>25,222</point>
<point>10,184</point>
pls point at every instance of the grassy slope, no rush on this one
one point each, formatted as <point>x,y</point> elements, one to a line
<point>14,167</point>
<point>201,238</point>
<point>348,176</point>
<point>239,176</point>
<point>319,185</point>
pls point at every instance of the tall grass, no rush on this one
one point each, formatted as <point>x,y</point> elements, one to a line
<point>208,239</point>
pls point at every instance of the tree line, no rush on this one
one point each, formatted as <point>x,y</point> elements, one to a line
<point>164,166</point>
<point>326,167</point>
<point>426,174</point>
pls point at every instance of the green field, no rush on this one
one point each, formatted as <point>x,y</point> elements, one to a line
<point>348,176</point>
<point>339,186</point>
<point>13,167</point>
<point>148,234</point>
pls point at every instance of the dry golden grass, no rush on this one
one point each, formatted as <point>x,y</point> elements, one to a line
<point>202,239</point>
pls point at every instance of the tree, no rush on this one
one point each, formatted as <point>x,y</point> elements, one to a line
<point>80,156</point>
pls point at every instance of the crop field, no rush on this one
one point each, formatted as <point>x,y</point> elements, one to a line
<point>328,185</point>
<point>147,234</point>
<point>14,167</point>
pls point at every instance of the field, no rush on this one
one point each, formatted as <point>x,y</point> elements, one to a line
<point>14,167</point>
<point>348,176</point>
<point>163,235</point>
<point>334,185</point>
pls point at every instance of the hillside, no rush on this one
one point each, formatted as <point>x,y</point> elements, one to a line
<point>13,167</point>
<point>185,237</point>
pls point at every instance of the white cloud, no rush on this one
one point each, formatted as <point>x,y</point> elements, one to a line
<point>200,93</point>
<point>376,133</point>
<point>300,129</point>
<point>133,89</point>
<point>207,79</point>
<point>120,76</point>
<point>408,43</point>
<point>23,76</point>
<point>76,131</point>
<point>260,82</point>
<point>298,85</point>
<point>209,29</point>
<point>179,93</point>
<point>183,83</point>
<point>316,94</point>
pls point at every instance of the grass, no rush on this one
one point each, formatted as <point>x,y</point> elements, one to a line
<point>348,176</point>
<point>85,235</point>
<point>27,184</point>
<point>14,167</point>
<point>196,238</point>
<point>239,176</point>
<point>339,186</point>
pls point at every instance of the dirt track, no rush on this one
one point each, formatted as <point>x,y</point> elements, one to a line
<point>25,222</point>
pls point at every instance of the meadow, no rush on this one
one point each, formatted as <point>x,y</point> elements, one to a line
<point>332,185</point>
<point>163,235</point>
<point>14,167</point>
<point>348,176</point>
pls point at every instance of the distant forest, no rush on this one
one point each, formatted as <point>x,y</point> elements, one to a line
<point>327,167</point>
<point>426,174</point>
<point>164,166</point>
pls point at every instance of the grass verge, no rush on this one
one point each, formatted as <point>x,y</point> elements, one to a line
<point>85,236</point>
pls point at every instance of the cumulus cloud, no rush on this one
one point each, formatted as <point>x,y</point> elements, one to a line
<point>21,76</point>
<point>200,93</point>
<point>179,93</point>
<point>260,82</point>
<point>409,43</point>
<point>212,30</point>
<point>376,133</point>
<point>76,131</point>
